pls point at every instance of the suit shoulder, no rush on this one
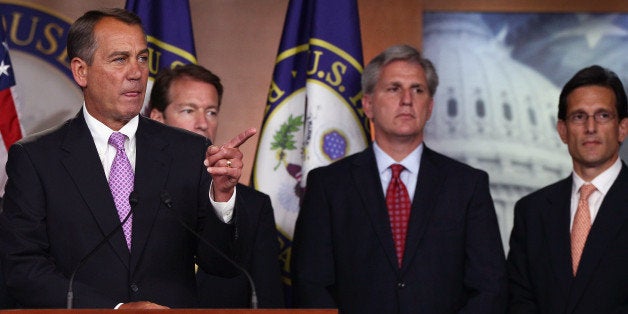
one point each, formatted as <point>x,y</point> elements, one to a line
<point>342,164</point>
<point>545,192</point>
<point>178,141</point>
<point>250,192</point>
<point>446,162</point>
<point>52,134</point>
<point>48,138</point>
<point>176,135</point>
<point>332,173</point>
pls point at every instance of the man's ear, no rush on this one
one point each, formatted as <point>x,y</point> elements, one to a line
<point>430,108</point>
<point>561,127</point>
<point>157,115</point>
<point>366,105</point>
<point>623,129</point>
<point>79,71</point>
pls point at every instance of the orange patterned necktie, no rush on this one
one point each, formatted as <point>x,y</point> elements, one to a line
<point>398,203</point>
<point>581,225</point>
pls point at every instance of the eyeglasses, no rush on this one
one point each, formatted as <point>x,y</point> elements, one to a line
<point>582,118</point>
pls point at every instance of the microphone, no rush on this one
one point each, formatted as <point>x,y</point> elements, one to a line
<point>167,200</point>
<point>70,296</point>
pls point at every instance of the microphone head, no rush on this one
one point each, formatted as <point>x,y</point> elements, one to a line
<point>133,198</point>
<point>165,198</point>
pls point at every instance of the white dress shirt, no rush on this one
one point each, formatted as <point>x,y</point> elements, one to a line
<point>408,176</point>
<point>602,183</point>
<point>106,153</point>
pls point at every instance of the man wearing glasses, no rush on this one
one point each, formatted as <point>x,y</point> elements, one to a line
<point>569,245</point>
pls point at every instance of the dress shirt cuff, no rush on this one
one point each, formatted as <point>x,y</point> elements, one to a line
<point>118,306</point>
<point>224,210</point>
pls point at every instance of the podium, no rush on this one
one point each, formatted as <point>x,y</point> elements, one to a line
<point>173,311</point>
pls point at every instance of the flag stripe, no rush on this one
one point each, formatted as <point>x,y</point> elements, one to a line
<point>10,128</point>
<point>9,122</point>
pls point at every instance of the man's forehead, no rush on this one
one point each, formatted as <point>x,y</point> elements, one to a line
<point>590,89</point>
<point>400,68</point>
<point>111,29</point>
<point>592,93</point>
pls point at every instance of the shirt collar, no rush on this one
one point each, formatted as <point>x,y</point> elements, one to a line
<point>412,162</point>
<point>101,132</point>
<point>603,181</point>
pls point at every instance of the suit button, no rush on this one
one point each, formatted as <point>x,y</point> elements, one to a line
<point>401,285</point>
<point>134,287</point>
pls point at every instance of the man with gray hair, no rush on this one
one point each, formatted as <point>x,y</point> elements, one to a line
<point>399,228</point>
<point>95,208</point>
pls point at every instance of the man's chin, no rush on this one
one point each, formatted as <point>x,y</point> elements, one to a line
<point>133,108</point>
<point>128,115</point>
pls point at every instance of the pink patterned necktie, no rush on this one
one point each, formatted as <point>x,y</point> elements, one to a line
<point>121,183</point>
<point>398,203</point>
<point>581,225</point>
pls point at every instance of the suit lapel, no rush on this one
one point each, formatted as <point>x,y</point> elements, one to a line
<point>245,223</point>
<point>84,166</point>
<point>429,181</point>
<point>151,172</point>
<point>610,219</point>
<point>366,176</point>
<point>555,215</point>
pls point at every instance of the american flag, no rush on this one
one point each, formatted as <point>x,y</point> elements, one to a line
<point>10,129</point>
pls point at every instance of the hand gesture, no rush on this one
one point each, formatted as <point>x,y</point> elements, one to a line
<point>224,163</point>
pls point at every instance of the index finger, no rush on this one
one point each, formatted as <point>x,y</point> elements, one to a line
<point>241,138</point>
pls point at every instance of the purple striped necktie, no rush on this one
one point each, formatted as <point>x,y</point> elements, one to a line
<point>121,180</point>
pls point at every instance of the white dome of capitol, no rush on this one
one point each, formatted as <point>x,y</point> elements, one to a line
<point>492,112</point>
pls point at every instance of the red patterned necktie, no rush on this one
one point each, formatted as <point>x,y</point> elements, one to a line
<point>398,203</point>
<point>581,225</point>
<point>121,180</point>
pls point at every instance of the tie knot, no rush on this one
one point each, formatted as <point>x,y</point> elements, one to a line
<point>586,190</point>
<point>396,170</point>
<point>117,140</point>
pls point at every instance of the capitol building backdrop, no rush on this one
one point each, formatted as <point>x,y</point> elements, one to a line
<point>500,78</point>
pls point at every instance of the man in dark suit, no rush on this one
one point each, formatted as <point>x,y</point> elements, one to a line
<point>569,244</point>
<point>362,244</point>
<point>189,97</point>
<point>6,301</point>
<point>68,188</point>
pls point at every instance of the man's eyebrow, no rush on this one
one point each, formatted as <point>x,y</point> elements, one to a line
<point>413,85</point>
<point>118,53</point>
<point>126,53</point>
<point>187,104</point>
